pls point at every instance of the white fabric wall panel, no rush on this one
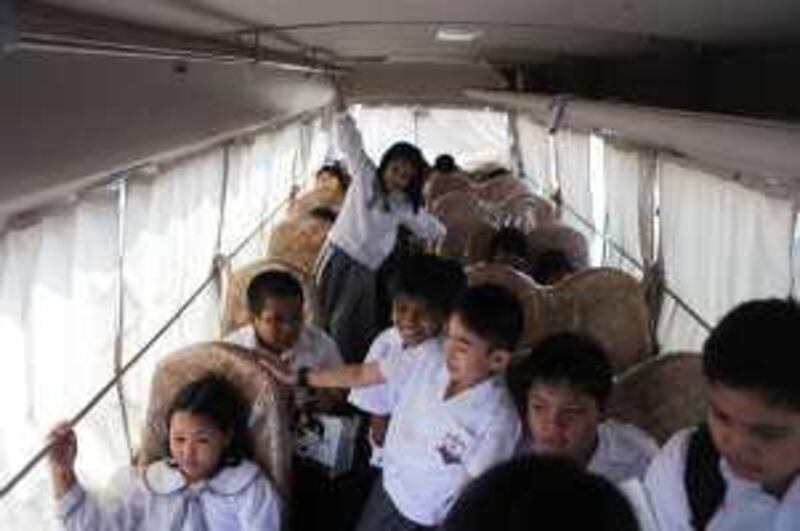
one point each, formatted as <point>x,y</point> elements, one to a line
<point>624,176</point>
<point>534,150</point>
<point>722,244</point>
<point>383,126</point>
<point>473,137</point>
<point>57,318</point>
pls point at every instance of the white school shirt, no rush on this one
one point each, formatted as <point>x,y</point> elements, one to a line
<point>381,399</point>
<point>746,506</point>
<point>435,446</point>
<point>158,498</point>
<point>365,231</point>
<point>314,348</point>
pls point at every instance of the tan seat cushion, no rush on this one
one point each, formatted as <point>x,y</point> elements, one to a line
<point>269,423</point>
<point>298,240</point>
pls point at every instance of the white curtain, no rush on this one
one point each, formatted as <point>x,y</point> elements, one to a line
<point>58,311</point>
<point>383,126</point>
<point>534,147</point>
<point>722,244</point>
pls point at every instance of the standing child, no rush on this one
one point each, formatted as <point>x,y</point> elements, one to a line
<point>378,201</point>
<point>742,471</point>
<point>206,482</point>
<point>454,417</point>
<point>562,389</point>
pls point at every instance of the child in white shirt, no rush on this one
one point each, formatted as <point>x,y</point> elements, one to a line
<point>561,389</point>
<point>206,482</point>
<point>454,418</point>
<point>741,471</point>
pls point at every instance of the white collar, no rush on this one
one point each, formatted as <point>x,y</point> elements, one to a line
<point>161,478</point>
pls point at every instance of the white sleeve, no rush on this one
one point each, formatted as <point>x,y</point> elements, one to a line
<point>497,444</point>
<point>121,510</point>
<point>260,507</point>
<point>664,485</point>
<point>374,398</point>
<point>423,224</point>
<point>361,168</point>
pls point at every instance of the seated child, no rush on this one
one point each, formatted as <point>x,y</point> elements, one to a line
<point>742,470</point>
<point>423,290</point>
<point>206,482</point>
<point>453,419</point>
<point>275,302</point>
<point>535,492</point>
<point>509,246</point>
<point>562,389</point>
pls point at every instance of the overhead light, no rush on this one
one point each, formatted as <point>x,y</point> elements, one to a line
<point>458,34</point>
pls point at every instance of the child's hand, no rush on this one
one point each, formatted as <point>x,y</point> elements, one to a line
<point>62,454</point>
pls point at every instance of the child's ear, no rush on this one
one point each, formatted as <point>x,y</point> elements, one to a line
<point>499,359</point>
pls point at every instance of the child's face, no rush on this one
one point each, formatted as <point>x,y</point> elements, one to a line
<point>397,175</point>
<point>562,420</point>
<point>760,441</point>
<point>415,320</point>
<point>196,444</point>
<point>470,358</point>
<point>279,323</point>
<point>327,180</point>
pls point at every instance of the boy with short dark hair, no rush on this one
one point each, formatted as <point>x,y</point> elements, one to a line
<point>561,390</point>
<point>454,417</point>
<point>742,470</point>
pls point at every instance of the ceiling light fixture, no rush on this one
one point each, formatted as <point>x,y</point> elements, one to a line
<point>458,34</point>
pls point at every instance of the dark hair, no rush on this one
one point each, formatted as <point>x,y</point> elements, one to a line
<point>510,240</point>
<point>272,283</point>
<point>437,281</point>
<point>754,348</point>
<point>217,400</point>
<point>336,169</point>
<point>412,154</point>
<point>324,213</point>
<point>567,358</point>
<point>550,266</point>
<point>493,313</point>
<point>445,163</point>
<point>540,492</point>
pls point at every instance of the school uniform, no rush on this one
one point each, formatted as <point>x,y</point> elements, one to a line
<point>436,445</point>
<point>623,452</point>
<point>381,399</point>
<point>745,507</point>
<point>158,498</point>
<point>362,237</point>
<point>314,348</point>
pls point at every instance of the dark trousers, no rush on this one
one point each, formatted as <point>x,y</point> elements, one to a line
<point>347,297</point>
<point>380,514</point>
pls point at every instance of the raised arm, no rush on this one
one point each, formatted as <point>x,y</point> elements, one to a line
<point>350,143</point>
<point>424,225</point>
<point>342,377</point>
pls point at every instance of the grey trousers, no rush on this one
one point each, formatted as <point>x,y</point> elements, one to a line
<point>347,297</point>
<point>380,513</point>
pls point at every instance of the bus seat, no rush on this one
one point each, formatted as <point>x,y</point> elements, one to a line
<point>662,395</point>
<point>298,240</point>
<point>519,284</point>
<point>528,211</point>
<point>501,188</point>
<point>563,238</point>
<point>235,313</point>
<point>269,423</point>
<point>441,183</point>
<point>315,198</point>
<point>464,216</point>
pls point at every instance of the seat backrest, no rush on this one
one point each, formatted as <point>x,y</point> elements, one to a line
<point>234,310</point>
<point>517,283</point>
<point>464,216</point>
<point>317,197</point>
<point>662,395</point>
<point>528,211</point>
<point>269,424</point>
<point>501,188</point>
<point>298,240</point>
<point>441,183</point>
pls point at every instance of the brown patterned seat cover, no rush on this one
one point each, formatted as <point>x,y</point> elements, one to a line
<point>662,395</point>
<point>235,313</point>
<point>517,283</point>
<point>329,197</point>
<point>298,240</point>
<point>501,188</point>
<point>441,183</point>
<point>564,238</point>
<point>467,226</point>
<point>606,304</point>
<point>268,419</point>
<point>528,211</point>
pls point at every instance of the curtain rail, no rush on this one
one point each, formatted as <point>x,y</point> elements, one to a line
<point>99,395</point>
